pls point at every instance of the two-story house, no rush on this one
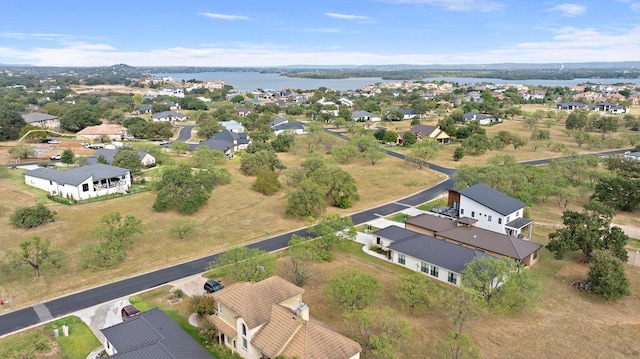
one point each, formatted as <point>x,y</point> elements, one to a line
<point>267,319</point>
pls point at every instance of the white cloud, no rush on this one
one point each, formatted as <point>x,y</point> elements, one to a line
<point>453,5</point>
<point>346,16</point>
<point>223,16</point>
<point>569,10</point>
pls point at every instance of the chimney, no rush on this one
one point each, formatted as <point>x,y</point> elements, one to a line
<point>303,312</point>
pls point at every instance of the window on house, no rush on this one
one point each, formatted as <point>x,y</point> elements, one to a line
<point>535,255</point>
<point>244,336</point>
<point>473,214</point>
<point>452,278</point>
<point>402,259</point>
<point>424,267</point>
<point>499,220</point>
<point>219,308</point>
<point>507,219</point>
<point>461,210</point>
<point>378,241</point>
<point>85,187</point>
<point>434,271</point>
<point>244,343</point>
<point>489,218</point>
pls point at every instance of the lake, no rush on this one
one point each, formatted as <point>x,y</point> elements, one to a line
<point>249,81</point>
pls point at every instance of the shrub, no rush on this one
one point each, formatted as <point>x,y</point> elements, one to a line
<point>33,216</point>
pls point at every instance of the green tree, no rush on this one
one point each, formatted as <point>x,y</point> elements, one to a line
<point>203,156</point>
<point>458,154</point>
<point>343,189</point>
<point>415,292</point>
<point>127,159</point>
<point>183,227</point>
<point>486,275</point>
<point>476,144</point>
<point>422,152</point>
<point>102,159</point>
<point>345,153</point>
<point>68,157</point>
<point>409,138</point>
<point>618,191</point>
<point>119,230</point>
<point>179,147</point>
<point>307,200</point>
<point>22,152</point>
<point>577,120</point>
<point>283,142</point>
<point>301,258</point>
<point>390,137</point>
<point>250,163</point>
<point>32,216</point>
<point>11,122</point>
<point>369,148</point>
<point>381,333</point>
<point>352,289</point>
<point>266,181</point>
<point>39,255</point>
<point>607,276</point>
<point>587,231</point>
<point>79,117</point>
<point>330,231</point>
<point>180,189</point>
<point>245,265</point>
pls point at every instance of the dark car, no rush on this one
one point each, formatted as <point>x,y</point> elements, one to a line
<point>129,311</point>
<point>211,286</point>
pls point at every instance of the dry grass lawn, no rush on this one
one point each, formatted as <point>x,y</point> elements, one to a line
<point>234,215</point>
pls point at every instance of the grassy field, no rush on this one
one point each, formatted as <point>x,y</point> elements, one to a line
<point>40,342</point>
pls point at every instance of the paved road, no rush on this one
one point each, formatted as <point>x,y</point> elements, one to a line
<point>59,307</point>
<point>185,133</point>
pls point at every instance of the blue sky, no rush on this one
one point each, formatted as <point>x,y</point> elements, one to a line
<point>327,32</point>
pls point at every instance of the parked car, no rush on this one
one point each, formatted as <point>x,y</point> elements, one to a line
<point>51,141</point>
<point>164,142</point>
<point>211,286</point>
<point>129,311</point>
<point>56,157</point>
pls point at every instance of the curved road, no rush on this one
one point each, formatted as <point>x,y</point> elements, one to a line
<point>62,306</point>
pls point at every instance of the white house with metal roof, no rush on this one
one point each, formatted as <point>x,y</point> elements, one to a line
<point>82,182</point>
<point>492,209</point>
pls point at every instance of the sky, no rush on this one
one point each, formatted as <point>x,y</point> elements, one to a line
<point>257,33</point>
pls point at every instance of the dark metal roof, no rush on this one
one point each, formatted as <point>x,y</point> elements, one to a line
<point>441,253</point>
<point>431,222</point>
<point>153,335</point>
<point>75,176</point>
<point>394,233</point>
<point>492,199</point>
<point>219,145</point>
<point>109,154</point>
<point>518,223</point>
<point>490,241</point>
<point>38,117</point>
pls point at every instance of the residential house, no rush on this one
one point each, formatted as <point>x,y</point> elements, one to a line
<point>295,128</point>
<point>172,105</point>
<point>82,182</point>
<point>473,96</point>
<point>572,106</point>
<point>462,231</point>
<point>151,334</point>
<point>243,111</point>
<point>361,116</point>
<point>106,130</point>
<point>345,101</point>
<point>278,121</point>
<point>425,131</point>
<point>481,118</point>
<point>170,116</point>
<point>407,114</point>
<point>144,109</point>
<point>438,258</point>
<point>240,140</point>
<point>172,91</point>
<point>233,126</point>
<point>226,147</point>
<point>42,120</point>
<point>267,319</point>
<point>146,159</point>
<point>492,209</point>
<point>609,107</point>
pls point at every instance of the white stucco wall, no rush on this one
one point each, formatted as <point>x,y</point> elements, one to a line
<point>475,210</point>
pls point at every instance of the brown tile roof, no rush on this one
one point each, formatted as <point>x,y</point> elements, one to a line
<point>490,241</point>
<point>252,300</point>
<point>288,335</point>
<point>431,222</point>
<point>103,129</point>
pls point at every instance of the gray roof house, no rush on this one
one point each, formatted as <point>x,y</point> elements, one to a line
<point>169,116</point>
<point>438,258</point>
<point>289,127</point>
<point>481,118</point>
<point>146,159</point>
<point>81,182</point>
<point>43,120</point>
<point>143,109</point>
<point>151,335</point>
<point>571,105</point>
<point>361,116</point>
<point>406,113</point>
<point>223,146</point>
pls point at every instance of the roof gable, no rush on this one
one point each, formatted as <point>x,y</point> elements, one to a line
<point>76,176</point>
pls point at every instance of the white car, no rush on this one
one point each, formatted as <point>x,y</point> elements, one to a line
<point>53,142</point>
<point>56,157</point>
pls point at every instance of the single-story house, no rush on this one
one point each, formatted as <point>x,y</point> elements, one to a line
<point>268,319</point>
<point>151,334</point>
<point>172,91</point>
<point>572,106</point>
<point>233,126</point>
<point>407,114</point>
<point>168,116</point>
<point>240,140</point>
<point>82,182</point>
<point>172,105</point>
<point>435,257</point>
<point>143,109</point>
<point>112,131</point>
<point>43,120</point>
<point>362,116</point>
<point>278,121</point>
<point>609,107</point>
<point>146,159</point>
<point>243,111</point>
<point>296,128</point>
<point>481,118</point>
<point>226,147</point>
<point>424,131</point>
